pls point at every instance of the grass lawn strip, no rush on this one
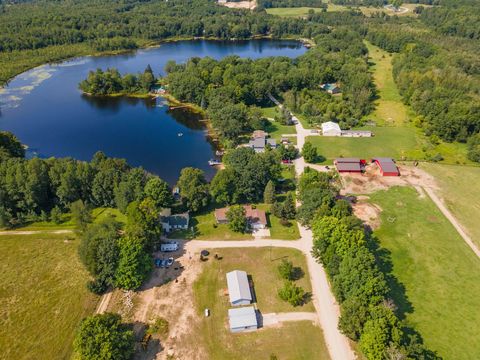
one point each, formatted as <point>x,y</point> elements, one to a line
<point>438,270</point>
<point>43,296</point>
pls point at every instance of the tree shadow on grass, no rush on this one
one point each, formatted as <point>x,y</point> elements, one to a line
<point>397,289</point>
<point>297,273</point>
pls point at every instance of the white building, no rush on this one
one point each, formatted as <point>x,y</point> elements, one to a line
<point>238,288</point>
<point>331,128</point>
<point>243,319</point>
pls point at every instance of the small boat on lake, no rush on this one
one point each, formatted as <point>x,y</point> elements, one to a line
<point>180,134</point>
<point>213,162</point>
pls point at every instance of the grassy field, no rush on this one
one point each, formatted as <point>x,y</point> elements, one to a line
<point>298,340</point>
<point>396,142</point>
<point>438,270</point>
<point>43,296</point>
<point>98,214</point>
<point>292,12</point>
<point>460,191</point>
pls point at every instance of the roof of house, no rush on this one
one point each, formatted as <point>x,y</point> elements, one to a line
<point>386,164</point>
<point>258,142</point>
<point>330,125</point>
<point>255,215</point>
<point>242,317</point>
<point>252,215</point>
<point>176,220</point>
<point>259,134</point>
<point>272,142</point>
<point>347,160</point>
<point>330,86</point>
<point>238,286</point>
<point>349,166</point>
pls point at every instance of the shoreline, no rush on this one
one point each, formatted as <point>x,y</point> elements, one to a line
<point>146,46</point>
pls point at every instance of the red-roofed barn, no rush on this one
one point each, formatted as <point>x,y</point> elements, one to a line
<point>387,166</point>
<point>349,165</point>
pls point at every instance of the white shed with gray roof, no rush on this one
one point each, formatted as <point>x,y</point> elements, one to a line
<point>238,288</point>
<point>243,319</point>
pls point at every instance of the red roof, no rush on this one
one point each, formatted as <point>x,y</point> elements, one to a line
<point>252,215</point>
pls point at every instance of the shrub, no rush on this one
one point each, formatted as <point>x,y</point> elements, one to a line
<point>292,293</point>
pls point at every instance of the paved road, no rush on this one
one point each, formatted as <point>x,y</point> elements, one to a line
<point>441,206</point>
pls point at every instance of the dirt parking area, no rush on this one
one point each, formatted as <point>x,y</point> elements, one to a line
<point>169,295</point>
<point>239,4</point>
<point>371,180</point>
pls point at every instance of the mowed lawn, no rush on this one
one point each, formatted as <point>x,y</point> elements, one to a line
<point>42,294</point>
<point>296,340</point>
<point>460,191</point>
<point>438,270</point>
<point>292,12</point>
<point>395,142</point>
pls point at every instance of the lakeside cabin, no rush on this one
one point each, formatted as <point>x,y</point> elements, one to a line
<point>174,222</point>
<point>260,141</point>
<point>387,166</point>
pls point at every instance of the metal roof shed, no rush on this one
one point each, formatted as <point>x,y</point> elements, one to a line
<point>387,166</point>
<point>242,319</point>
<point>238,288</point>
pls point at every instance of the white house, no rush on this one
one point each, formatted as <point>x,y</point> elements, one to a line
<point>242,319</point>
<point>238,288</point>
<point>331,128</point>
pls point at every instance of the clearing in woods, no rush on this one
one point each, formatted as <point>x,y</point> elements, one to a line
<point>43,296</point>
<point>437,288</point>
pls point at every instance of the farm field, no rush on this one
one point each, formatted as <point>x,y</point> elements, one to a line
<point>43,296</point>
<point>459,194</point>
<point>218,340</point>
<point>437,269</point>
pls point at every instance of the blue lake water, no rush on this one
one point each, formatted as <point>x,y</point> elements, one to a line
<point>45,110</point>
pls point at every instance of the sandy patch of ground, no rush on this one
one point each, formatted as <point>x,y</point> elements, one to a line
<point>367,212</point>
<point>239,4</point>
<point>169,295</point>
<point>371,180</point>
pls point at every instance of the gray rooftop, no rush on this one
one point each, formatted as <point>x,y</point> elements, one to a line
<point>347,160</point>
<point>242,317</point>
<point>238,286</point>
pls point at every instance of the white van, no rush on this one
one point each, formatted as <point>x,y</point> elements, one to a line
<point>169,247</point>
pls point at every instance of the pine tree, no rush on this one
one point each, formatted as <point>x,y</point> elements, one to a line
<point>269,193</point>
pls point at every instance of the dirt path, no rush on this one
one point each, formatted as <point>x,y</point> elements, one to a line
<point>103,304</point>
<point>276,319</point>
<point>33,232</point>
<point>441,206</point>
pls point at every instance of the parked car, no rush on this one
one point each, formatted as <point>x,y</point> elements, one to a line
<point>207,312</point>
<point>169,247</point>
<point>169,262</point>
<point>158,262</point>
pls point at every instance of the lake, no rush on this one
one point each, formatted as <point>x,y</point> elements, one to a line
<point>45,110</point>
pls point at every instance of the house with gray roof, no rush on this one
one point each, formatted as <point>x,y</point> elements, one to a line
<point>242,319</point>
<point>238,288</point>
<point>259,143</point>
<point>175,222</point>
